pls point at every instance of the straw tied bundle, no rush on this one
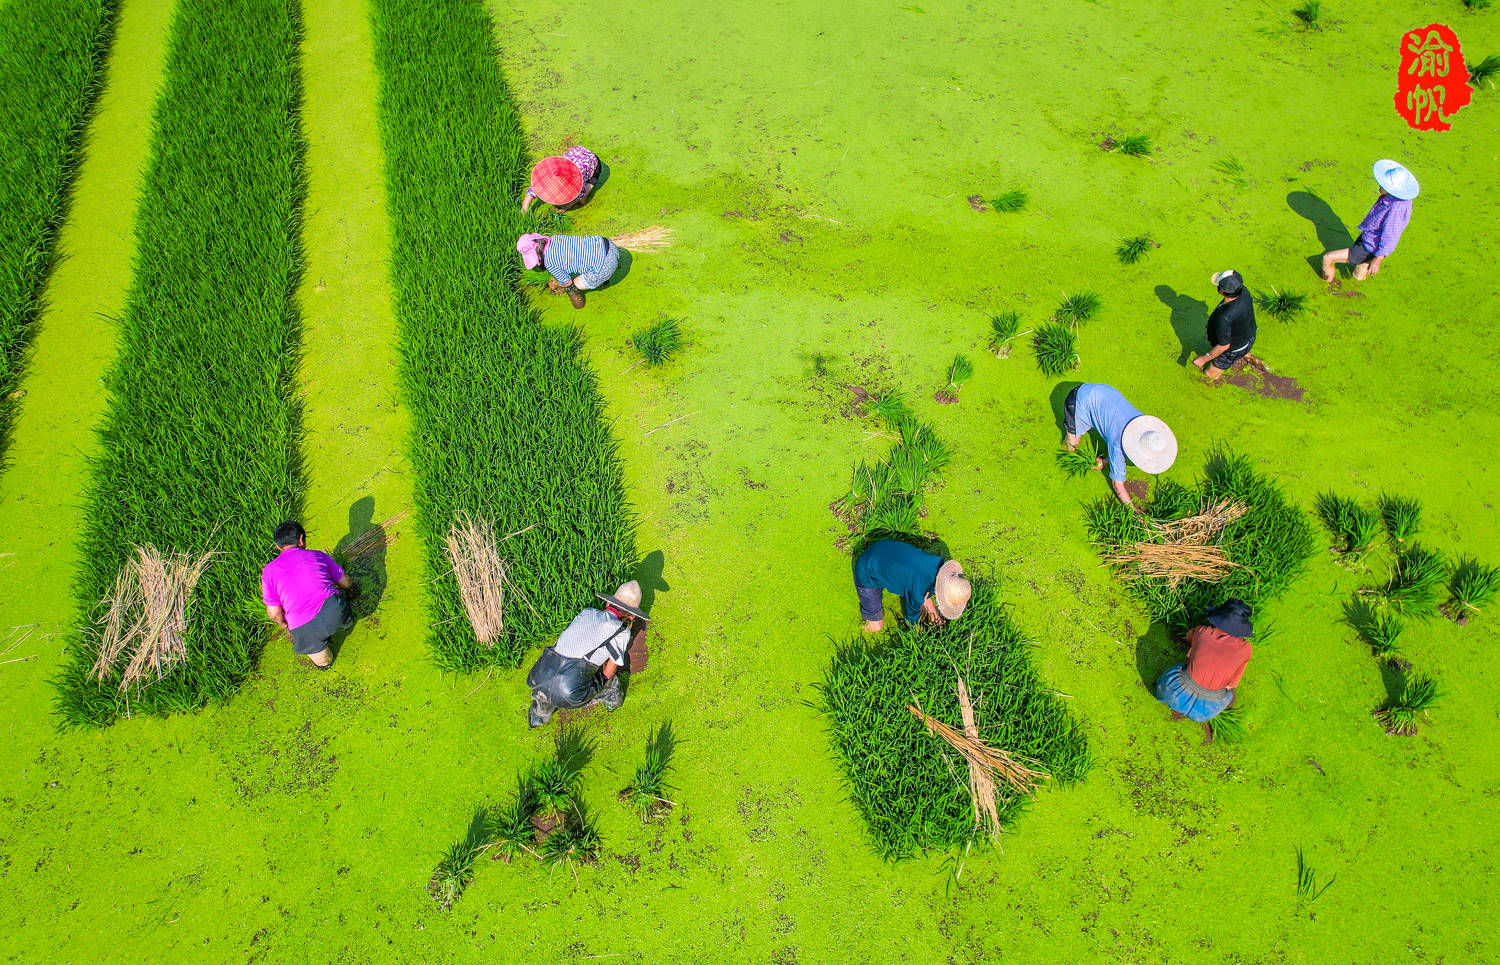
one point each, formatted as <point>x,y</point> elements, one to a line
<point>654,238</point>
<point>1181,549</point>
<point>146,615</point>
<point>480,572</point>
<point>987,764</point>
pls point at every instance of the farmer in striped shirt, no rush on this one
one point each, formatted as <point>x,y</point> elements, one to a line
<point>577,263</point>
<point>1382,227</point>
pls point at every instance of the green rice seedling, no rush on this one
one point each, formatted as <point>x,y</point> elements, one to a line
<point>1010,201</point>
<point>658,342</point>
<point>1233,169</point>
<point>1356,527</point>
<point>1283,306</point>
<point>575,840</point>
<point>452,875</point>
<point>901,778</point>
<point>1004,326</point>
<point>198,445</point>
<point>1475,5</point>
<point>1056,349</point>
<point>1077,309</point>
<point>1132,250</point>
<point>889,407</point>
<point>1080,461</point>
<point>924,445</point>
<point>960,370</point>
<point>52,55</point>
<point>1307,878</point>
<point>1473,586</point>
<point>1310,14</point>
<point>506,417</point>
<point>1484,72</point>
<point>509,830</point>
<point>1379,629</point>
<point>1402,517</point>
<point>1402,714</point>
<point>1229,726</point>
<point>1416,576</point>
<point>1134,145</point>
<point>647,793</point>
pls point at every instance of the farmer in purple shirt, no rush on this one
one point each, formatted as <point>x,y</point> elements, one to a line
<point>1382,227</point>
<point>300,588</point>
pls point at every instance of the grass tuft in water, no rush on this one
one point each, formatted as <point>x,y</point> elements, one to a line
<point>1233,169</point>
<point>1009,202</point>
<point>1056,349</point>
<point>1283,306</point>
<point>657,343</point>
<point>1354,526</point>
<point>1483,73</point>
<point>1307,880</point>
<point>1416,575</point>
<point>1134,145</point>
<point>1077,309</point>
<point>1473,586</point>
<point>1405,711</point>
<point>647,793</point>
<point>1004,326</point>
<point>1310,14</point>
<point>1132,250</point>
<point>1402,517</point>
<point>1229,726</point>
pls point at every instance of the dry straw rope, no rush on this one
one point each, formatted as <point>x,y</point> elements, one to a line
<point>146,615</point>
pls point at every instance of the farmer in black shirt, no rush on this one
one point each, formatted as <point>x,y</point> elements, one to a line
<point>1231,327</point>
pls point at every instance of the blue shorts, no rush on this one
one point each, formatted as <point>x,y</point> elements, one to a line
<point>871,602</point>
<point>1180,694</point>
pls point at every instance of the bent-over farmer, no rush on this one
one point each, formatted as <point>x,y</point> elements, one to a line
<point>930,588</point>
<point>300,588</point>
<point>1231,326</point>
<point>1143,439</point>
<point>564,182</point>
<point>1202,687</point>
<point>580,669</point>
<point>1382,227</point>
<point>577,263</point>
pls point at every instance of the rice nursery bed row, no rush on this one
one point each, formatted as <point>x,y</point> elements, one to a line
<point>198,449</point>
<point>52,55</point>
<point>910,786</point>
<point>508,424</point>
<point>1267,546</point>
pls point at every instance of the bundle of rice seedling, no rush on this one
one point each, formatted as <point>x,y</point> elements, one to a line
<point>479,571</point>
<point>1004,326</point>
<point>1132,250</point>
<point>1484,72</point>
<point>658,342</point>
<point>1010,201</point>
<point>654,238</point>
<point>646,794</point>
<point>1402,516</point>
<point>889,406</point>
<point>1473,5</point>
<point>1229,726</point>
<point>576,840</point>
<point>1355,526</point>
<point>1079,461</point>
<point>1473,585</point>
<point>1310,14</point>
<point>886,499</point>
<point>509,830</point>
<point>1416,576</point>
<point>1134,145</point>
<point>1403,712</point>
<point>52,55</point>
<point>1078,308</point>
<point>507,418</point>
<point>453,873</point>
<point>1056,349</point>
<point>199,441</point>
<point>1232,168</point>
<point>960,370</point>
<point>146,616</point>
<point>1283,306</point>
<point>915,792</point>
<point>1380,630</point>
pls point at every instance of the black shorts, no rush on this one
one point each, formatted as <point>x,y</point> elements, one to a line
<point>1358,253</point>
<point>313,636</point>
<point>1234,354</point>
<point>1070,412</point>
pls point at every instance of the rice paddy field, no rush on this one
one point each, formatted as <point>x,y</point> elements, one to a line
<point>256,261</point>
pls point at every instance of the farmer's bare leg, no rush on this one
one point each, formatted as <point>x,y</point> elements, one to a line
<point>1208,733</point>
<point>1362,271</point>
<point>322,658</point>
<point>1331,258</point>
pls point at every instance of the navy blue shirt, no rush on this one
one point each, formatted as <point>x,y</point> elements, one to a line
<point>902,569</point>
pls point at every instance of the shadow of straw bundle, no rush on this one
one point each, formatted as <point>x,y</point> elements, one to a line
<point>146,615</point>
<point>986,763</point>
<point>480,573</point>
<point>654,238</point>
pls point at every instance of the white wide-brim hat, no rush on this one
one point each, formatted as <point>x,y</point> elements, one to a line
<point>1150,444</point>
<point>952,592</point>
<point>1396,180</point>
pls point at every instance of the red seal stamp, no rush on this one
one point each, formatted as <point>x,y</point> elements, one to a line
<point>1434,83</point>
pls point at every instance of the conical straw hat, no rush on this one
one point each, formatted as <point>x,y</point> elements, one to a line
<point>952,591</point>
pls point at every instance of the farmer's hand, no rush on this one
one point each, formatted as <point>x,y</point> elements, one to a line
<point>1099,464</point>
<point>1136,508</point>
<point>553,286</point>
<point>1201,361</point>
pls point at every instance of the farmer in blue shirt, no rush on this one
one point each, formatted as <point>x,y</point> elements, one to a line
<point>577,263</point>
<point>928,586</point>
<point>1143,439</point>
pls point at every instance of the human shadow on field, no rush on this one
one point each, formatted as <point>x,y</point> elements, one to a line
<point>1155,651</point>
<point>1332,234</point>
<point>1059,400</point>
<point>1189,320</point>
<point>648,573</point>
<point>362,554</point>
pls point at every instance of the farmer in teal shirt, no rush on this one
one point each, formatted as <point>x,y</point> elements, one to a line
<point>928,586</point>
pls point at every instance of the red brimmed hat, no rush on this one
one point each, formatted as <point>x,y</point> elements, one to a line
<point>556,180</point>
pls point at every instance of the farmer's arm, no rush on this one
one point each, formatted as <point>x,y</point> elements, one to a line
<point>1119,487</point>
<point>344,582</point>
<point>336,572</point>
<point>609,668</point>
<point>1218,332</point>
<point>526,202</point>
<point>930,611</point>
<point>1212,354</point>
<point>278,616</point>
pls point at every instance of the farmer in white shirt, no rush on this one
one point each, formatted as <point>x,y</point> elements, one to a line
<point>580,669</point>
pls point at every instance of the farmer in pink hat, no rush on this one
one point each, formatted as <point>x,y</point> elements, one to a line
<point>577,263</point>
<point>563,182</point>
<point>1382,226</point>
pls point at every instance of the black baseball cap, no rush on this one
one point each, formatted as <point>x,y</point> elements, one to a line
<point>1229,282</point>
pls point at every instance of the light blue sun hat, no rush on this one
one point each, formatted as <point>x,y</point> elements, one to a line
<point>1396,180</point>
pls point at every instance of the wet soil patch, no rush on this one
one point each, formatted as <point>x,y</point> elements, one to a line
<point>1253,374</point>
<point>977,203</point>
<point>639,654</point>
<point>1139,489</point>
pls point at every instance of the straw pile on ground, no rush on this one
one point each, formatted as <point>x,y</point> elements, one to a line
<point>480,572</point>
<point>654,238</point>
<point>1181,549</point>
<point>146,616</point>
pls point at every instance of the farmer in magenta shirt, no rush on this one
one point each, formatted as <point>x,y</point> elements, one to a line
<point>301,592</point>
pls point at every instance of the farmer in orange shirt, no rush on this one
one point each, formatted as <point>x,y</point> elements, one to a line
<point>1203,687</point>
